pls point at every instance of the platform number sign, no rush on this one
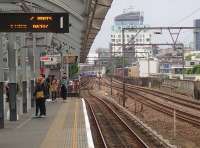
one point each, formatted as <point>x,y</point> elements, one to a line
<point>34,22</point>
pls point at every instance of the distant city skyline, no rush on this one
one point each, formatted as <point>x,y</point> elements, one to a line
<point>156,13</point>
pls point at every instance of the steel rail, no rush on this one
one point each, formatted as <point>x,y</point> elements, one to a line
<point>165,96</point>
<point>121,120</point>
<point>83,84</point>
<point>97,124</point>
<point>187,117</point>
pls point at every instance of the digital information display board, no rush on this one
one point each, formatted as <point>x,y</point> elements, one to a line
<point>34,22</point>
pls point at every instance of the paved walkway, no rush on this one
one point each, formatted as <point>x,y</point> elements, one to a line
<point>64,127</point>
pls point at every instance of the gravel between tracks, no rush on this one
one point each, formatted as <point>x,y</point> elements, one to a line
<point>115,133</point>
<point>187,136</point>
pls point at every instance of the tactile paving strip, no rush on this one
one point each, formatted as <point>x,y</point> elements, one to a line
<point>68,129</point>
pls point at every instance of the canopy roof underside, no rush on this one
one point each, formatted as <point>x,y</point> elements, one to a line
<point>86,18</point>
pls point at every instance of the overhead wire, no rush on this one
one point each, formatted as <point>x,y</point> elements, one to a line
<point>186,17</point>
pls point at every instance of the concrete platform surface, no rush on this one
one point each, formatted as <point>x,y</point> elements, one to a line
<point>66,126</point>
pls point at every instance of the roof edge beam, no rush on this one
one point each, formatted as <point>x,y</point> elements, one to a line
<point>103,5</point>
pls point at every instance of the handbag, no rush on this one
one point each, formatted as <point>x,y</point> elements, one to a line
<point>40,94</point>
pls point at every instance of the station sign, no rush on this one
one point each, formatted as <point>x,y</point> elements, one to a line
<point>50,59</point>
<point>45,58</point>
<point>34,22</point>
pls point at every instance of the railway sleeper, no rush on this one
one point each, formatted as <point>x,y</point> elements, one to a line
<point>155,137</point>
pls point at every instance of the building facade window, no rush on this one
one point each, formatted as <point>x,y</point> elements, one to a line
<point>192,63</point>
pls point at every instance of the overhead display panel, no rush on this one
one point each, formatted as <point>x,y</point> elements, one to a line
<point>34,22</point>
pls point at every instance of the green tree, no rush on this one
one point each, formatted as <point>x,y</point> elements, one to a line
<point>196,69</point>
<point>188,71</point>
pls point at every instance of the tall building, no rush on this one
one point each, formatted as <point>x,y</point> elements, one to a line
<point>197,34</point>
<point>129,20</point>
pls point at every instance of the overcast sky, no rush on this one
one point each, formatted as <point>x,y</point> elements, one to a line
<point>156,13</point>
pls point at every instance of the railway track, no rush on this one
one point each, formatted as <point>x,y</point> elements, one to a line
<point>96,130</point>
<point>151,138</point>
<point>114,130</point>
<point>165,96</point>
<point>84,82</point>
<point>145,99</point>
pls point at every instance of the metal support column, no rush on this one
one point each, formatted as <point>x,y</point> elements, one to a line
<point>24,69</point>
<point>32,89</point>
<point>24,94</point>
<point>12,77</point>
<point>33,70</point>
<point>61,66</point>
<point>174,42</point>
<point>37,59</point>
<point>1,88</point>
<point>32,82</point>
<point>123,48</point>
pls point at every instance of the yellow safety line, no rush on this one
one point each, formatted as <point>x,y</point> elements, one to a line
<point>74,139</point>
<point>55,136</point>
<point>65,141</point>
<point>77,125</point>
<point>74,128</point>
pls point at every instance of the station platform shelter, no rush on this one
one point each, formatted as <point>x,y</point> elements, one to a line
<point>38,37</point>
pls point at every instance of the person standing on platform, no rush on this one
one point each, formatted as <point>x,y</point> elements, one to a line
<point>39,96</point>
<point>63,91</point>
<point>47,85</point>
<point>54,88</point>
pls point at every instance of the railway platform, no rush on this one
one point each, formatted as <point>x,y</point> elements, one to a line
<point>66,126</point>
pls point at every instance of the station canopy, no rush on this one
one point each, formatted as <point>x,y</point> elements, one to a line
<point>85,18</point>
